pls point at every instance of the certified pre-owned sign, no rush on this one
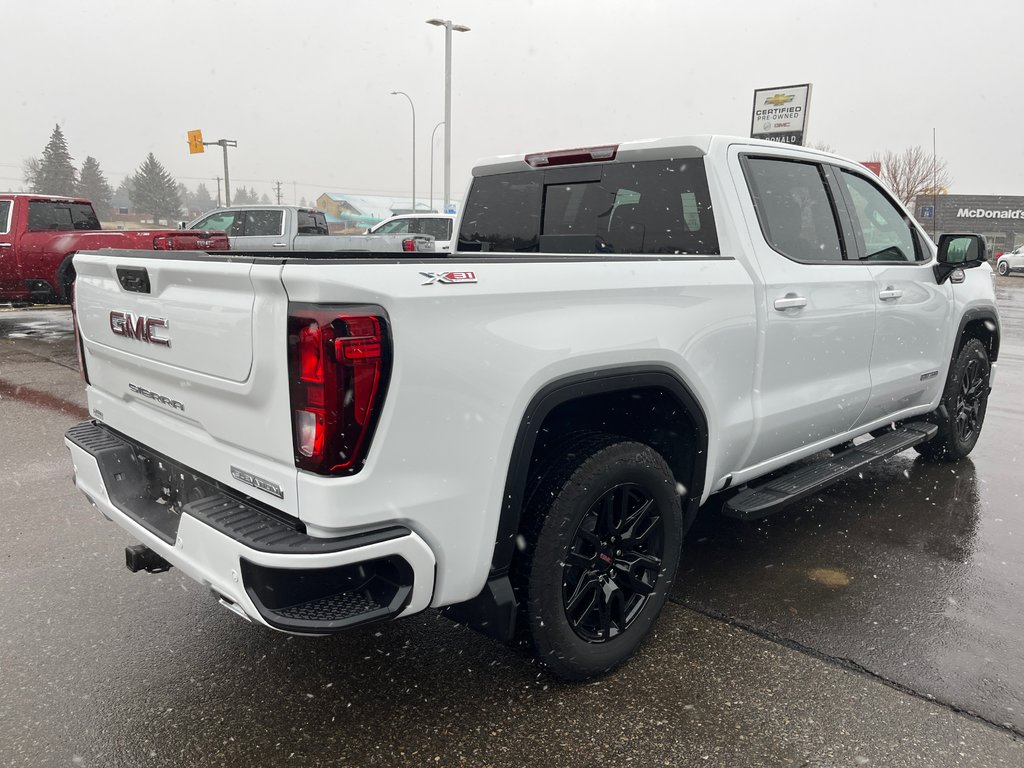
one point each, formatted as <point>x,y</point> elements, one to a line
<point>780,114</point>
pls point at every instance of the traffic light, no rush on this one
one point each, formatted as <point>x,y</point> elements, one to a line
<point>195,142</point>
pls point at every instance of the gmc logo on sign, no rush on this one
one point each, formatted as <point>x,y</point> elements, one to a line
<point>448,277</point>
<point>142,328</point>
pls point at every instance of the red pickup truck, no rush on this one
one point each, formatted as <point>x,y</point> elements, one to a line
<point>40,233</point>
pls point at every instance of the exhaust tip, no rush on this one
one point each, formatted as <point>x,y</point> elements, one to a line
<point>139,557</point>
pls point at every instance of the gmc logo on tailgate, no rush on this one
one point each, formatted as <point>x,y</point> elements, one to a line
<point>142,328</point>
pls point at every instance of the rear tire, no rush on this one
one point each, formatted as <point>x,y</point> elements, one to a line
<point>966,400</point>
<point>66,282</point>
<point>603,537</point>
<point>1003,267</point>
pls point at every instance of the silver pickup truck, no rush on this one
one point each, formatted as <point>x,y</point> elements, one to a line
<point>294,228</point>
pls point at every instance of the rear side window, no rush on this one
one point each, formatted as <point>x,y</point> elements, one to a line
<point>794,209</point>
<point>311,223</point>
<point>5,216</point>
<point>59,216</point>
<point>264,223</point>
<point>439,229</point>
<point>649,207</point>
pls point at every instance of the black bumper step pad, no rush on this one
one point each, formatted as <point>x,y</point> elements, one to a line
<point>264,533</point>
<point>755,503</point>
<point>139,482</point>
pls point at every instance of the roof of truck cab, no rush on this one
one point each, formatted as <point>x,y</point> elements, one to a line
<point>640,149</point>
<point>35,196</point>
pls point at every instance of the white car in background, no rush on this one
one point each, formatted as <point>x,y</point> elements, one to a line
<point>1011,261</point>
<point>438,225</point>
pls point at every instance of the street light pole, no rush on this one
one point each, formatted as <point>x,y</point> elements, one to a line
<point>413,107</point>
<point>224,144</point>
<point>432,133</point>
<point>448,27</point>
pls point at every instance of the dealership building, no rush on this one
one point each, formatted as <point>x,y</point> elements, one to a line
<point>1000,218</point>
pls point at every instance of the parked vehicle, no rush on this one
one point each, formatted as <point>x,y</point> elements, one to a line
<point>437,225</point>
<point>1011,261</point>
<point>40,233</point>
<point>293,228</point>
<point>522,432</point>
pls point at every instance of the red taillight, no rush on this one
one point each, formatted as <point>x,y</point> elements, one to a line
<point>571,156</point>
<point>338,363</point>
<point>408,245</point>
<point>79,348</point>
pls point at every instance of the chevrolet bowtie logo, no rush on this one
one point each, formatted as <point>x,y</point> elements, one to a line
<point>778,99</point>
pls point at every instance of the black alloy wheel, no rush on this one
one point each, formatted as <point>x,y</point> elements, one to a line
<point>613,563</point>
<point>970,400</point>
<point>602,538</point>
<point>961,411</point>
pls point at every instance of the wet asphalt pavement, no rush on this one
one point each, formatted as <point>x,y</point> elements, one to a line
<point>860,627</point>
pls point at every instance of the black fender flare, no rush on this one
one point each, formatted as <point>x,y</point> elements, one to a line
<point>566,389</point>
<point>973,315</point>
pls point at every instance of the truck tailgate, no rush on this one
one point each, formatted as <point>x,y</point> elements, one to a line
<point>186,353</point>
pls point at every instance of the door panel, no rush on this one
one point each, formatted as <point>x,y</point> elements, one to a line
<point>818,311</point>
<point>912,324</point>
<point>913,311</point>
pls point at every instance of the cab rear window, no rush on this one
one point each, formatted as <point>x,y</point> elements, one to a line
<point>650,207</point>
<point>57,215</point>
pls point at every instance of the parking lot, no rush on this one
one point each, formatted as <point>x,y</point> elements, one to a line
<point>875,623</point>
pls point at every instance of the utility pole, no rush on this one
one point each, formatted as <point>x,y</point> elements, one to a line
<point>277,184</point>
<point>218,191</point>
<point>224,144</point>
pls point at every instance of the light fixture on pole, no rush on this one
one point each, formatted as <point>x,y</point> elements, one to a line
<point>432,133</point>
<point>448,27</point>
<point>413,107</point>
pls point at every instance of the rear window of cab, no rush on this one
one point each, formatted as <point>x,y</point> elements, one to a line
<point>658,207</point>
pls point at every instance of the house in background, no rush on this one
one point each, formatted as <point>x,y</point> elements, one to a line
<point>360,212</point>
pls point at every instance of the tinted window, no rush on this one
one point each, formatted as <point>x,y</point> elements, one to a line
<point>5,215</point>
<point>264,223</point>
<point>47,215</point>
<point>396,227</point>
<point>311,223</point>
<point>654,207</point>
<point>794,209</point>
<point>439,229</point>
<point>218,222</point>
<point>503,213</point>
<point>885,230</point>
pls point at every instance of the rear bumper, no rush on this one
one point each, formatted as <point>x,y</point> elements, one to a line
<point>258,563</point>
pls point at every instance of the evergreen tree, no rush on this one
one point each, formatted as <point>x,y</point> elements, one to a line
<point>264,199</point>
<point>186,197</point>
<point>54,173</point>
<point>154,191</point>
<point>203,201</point>
<point>123,194</point>
<point>93,185</point>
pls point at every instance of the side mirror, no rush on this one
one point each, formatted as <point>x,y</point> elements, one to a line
<point>182,224</point>
<point>958,251</point>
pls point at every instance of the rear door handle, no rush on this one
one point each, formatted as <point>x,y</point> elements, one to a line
<point>280,245</point>
<point>790,301</point>
<point>890,293</point>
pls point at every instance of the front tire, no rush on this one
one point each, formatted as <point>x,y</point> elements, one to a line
<point>965,401</point>
<point>1003,267</point>
<point>603,543</point>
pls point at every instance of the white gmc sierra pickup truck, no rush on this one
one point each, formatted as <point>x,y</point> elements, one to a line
<point>520,432</point>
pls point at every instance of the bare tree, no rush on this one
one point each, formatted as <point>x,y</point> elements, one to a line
<point>911,173</point>
<point>822,146</point>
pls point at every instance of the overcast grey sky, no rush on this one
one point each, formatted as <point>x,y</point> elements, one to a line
<point>304,86</point>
